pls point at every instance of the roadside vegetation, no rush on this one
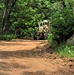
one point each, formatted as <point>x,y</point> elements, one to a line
<point>18,19</point>
<point>65,51</point>
<point>61,34</point>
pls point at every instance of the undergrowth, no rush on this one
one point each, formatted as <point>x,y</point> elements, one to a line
<point>65,51</point>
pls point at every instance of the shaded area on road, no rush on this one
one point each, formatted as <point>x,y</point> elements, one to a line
<point>59,72</point>
<point>34,73</point>
<point>21,53</point>
<point>6,66</point>
<point>63,72</point>
<point>3,74</point>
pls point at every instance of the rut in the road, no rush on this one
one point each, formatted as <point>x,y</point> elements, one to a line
<point>36,52</point>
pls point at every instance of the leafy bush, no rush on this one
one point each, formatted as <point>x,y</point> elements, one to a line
<point>27,32</point>
<point>7,37</point>
<point>62,26</point>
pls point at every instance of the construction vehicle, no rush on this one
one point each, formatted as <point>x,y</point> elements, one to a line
<point>43,30</point>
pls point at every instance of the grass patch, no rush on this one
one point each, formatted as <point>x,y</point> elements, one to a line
<point>65,51</point>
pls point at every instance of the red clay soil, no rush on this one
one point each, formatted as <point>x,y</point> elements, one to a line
<point>31,57</point>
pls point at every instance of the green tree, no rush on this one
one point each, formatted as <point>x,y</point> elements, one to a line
<point>8,6</point>
<point>62,26</point>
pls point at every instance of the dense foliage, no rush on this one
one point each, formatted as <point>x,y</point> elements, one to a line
<point>62,21</point>
<point>19,18</point>
<point>24,16</point>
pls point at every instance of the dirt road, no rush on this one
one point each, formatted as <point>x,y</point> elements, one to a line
<point>29,57</point>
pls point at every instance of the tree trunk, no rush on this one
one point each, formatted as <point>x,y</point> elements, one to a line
<point>6,16</point>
